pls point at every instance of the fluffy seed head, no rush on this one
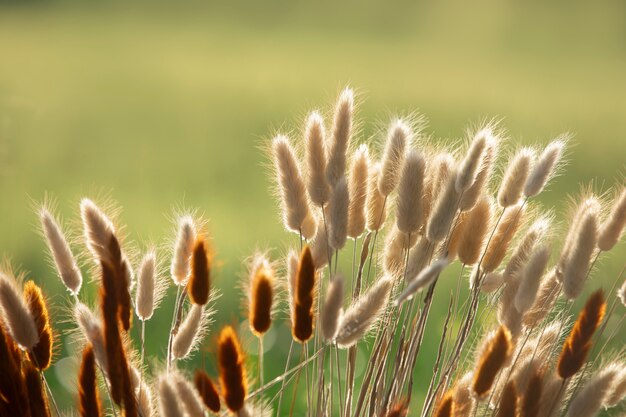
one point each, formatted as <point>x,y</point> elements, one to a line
<point>292,188</point>
<point>169,403</point>
<point>61,253</point>
<point>424,278</point>
<point>146,287</point>
<point>515,177</point>
<point>474,192</point>
<point>499,244</point>
<point>618,391</point>
<point>446,406</point>
<point>508,401</point>
<point>315,138</point>
<point>411,187</point>
<point>464,401</point>
<point>92,331</point>
<point>207,390</point>
<point>526,246</point>
<point>341,135</point>
<point>532,397</point>
<point>443,211</point>
<point>576,256</point>
<point>531,278</point>
<point>189,332</point>
<point>232,370</point>
<point>589,400</point>
<point>338,214</point>
<point>41,353</point>
<point>187,394</point>
<point>491,361</point>
<point>472,239</point>
<point>398,138</point>
<point>182,250</point>
<point>261,296</point>
<point>89,401</point>
<point>302,322</point>
<point>16,315</point>
<point>358,192</point>
<point>199,285</point>
<point>332,310</point>
<point>613,227</point>
<point>578,343</point>
<point>545,167</point>
<point>98,230</point>
<point>376,211</point>
<point>359,317</point>
<point>471,164</point>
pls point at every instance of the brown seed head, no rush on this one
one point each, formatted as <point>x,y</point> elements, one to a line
<point>198,286</point>
<point>492,361</point>
<point>446,405</point>
<point>231,369</point>
<point>509,400</point>
<point>36,395</point>
<point>41,353</point>
<point>89,402</point>
<point>577,345</point>
<point>207,390</point>
<point>261,297</point>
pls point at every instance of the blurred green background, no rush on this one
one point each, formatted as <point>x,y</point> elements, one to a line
<point>161,105</point>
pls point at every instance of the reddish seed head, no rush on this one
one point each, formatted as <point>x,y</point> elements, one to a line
<point>199,282</point>
<point>261,296</point>
<point>207,390</point>
<point>231,368</point>
<point>41,353</point>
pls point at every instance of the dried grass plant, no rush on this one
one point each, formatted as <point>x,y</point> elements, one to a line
<point>411,210</point>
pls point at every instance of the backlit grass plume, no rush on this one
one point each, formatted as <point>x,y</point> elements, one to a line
<point>423,277</point>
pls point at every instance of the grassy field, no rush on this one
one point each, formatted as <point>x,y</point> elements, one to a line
<point>167,108</point>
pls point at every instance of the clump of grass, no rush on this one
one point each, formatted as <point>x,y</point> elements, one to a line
<point>409,209</point>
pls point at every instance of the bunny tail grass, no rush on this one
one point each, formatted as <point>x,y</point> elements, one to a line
<point>577,345</point>
<point>61,253</point>
<point>207,390</point>
<point>88,399</point>
<point>232,370</point>
<point>198,286</point>
<point>16,315</point>
<point>41,353</point>
<point>340,137</point>
<point>182,250</point>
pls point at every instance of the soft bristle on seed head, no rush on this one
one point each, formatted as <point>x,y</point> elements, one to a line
<point>232,370</point>
<point>338,215</point>
<point>183,247</point>
<point>446,406</point>
<point>207,390</point>
<point>613,227</point>
<point>261,296</point>
<point>315,137</point>
<point>292,188</point>
<point>61,253</point>
<point>375,201</point>
<point>146,287</point>
<point>41,353</point>
<point>359,317</point>
<point>577,345</point>
<point>410,189</point>
<point>509,400</point>
<point>341,135</point>
<point>589,400</point>
<point>169,403</point>
<point>302,322</point>
<point>491,362</point>
<point>515,177</point>
<point>444,210</point>
<point>471,164</point>
<point>189,333</point>
<point>98,230</point>
<point>16,315</point>
<point>358,192</point>
<point>472,239</point>
<point>545,167</point>
<point>198,286</point>
<point>89,401</point>
<point>332,308</point>
<point>398,139</point>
